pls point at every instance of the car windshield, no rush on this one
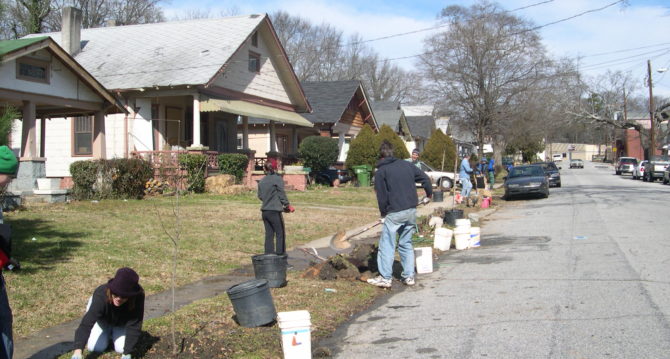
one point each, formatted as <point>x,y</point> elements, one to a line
<point>526,171</point>
<point>425,167</point>
<point>628,160</point>
<point>547,165</point>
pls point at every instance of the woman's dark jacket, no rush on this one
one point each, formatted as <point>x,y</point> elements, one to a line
<point>103,311</point>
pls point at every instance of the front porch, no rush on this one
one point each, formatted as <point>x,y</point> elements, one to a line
<point>166,163</point>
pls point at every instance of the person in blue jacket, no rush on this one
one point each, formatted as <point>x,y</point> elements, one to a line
<point>492,172</point>
<point>464,176</point>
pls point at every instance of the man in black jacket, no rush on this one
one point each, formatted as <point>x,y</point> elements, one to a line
<point>395,185</point>
<point>271,192</point>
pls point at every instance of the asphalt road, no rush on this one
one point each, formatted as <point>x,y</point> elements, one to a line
<point>582,274</point>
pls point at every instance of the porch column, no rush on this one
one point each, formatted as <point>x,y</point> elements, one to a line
<point>294,140</point>
<point>196,121</point>
<point>340,146</point>
<point>245,132</point>
<point>273,137</point>
<point>28,135</point>
<point>99,141</point>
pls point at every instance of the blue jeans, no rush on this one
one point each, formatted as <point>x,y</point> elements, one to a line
<point>397,224</point>
<point>467,186</point>
<point>6,343</point>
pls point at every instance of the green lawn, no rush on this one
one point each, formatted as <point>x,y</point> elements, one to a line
<point>66,250</point>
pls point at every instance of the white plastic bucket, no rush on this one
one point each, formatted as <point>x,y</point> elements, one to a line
<point>424,259</point>
<point>296,337</point>
<point>462,240</point>
<point>475,237</point>
<point>442,240</point>
<point>463,223</point>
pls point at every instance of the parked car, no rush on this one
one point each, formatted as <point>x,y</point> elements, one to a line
<point>553,175</point>
<point>328,176</point>
<point>655,168</point>
<point>625,165</point>
<point>576,163</point>
<point>526,180</point>
<point>442,180</point>
<point>638,172</point>
<point>557,157</point>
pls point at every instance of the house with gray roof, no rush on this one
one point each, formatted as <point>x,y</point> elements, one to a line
<point>391,114</point>
<point>184,85</point>
<point>41,81</point>
<point>339,109</point>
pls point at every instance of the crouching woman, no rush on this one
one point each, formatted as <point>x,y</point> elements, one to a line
<point>114,314</point>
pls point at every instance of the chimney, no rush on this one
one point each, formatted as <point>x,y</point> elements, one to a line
<point>71,30</point>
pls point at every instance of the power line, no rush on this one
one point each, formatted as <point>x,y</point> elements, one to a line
<point>433,27</point>
<point>526,30</point>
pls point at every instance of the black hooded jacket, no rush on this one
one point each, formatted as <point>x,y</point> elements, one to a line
<point>395,184</point>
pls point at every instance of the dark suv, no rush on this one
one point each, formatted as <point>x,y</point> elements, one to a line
<point>625,165</point>
<point>553,175</point>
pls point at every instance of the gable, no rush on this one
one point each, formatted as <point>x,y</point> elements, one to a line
<point>267,82</point>
<point>59,80</point>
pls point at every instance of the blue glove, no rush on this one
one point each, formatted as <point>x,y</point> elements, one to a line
<point>125,356</point>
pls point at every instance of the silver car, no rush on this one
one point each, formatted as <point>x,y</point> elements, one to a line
<point>638,172</point>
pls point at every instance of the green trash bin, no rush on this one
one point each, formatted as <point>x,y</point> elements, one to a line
<point>363,174</point>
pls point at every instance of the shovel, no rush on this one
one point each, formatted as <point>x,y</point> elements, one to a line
<point>340,240</point>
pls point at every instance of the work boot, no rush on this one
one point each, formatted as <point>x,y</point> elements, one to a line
<point>467,201</point>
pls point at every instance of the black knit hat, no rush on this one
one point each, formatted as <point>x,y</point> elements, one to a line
<point>125,283</point>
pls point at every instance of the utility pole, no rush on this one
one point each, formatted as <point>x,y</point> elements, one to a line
<point>652,139</point>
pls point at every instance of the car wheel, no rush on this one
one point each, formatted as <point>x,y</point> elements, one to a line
<point>644,178</point>
<point>558,184</point>
<point>634,177</point>
<point>665,180</point>
<point>617,173</point>
<point>445,183</point>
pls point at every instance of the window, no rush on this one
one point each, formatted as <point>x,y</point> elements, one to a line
<point>32,70</point>
<point>254,62</point>
<point>254,39</point>
<point>83,136</point>
<point>239,141</point>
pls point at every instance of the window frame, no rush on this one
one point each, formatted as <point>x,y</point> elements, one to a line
<point>33,62</point>
<point>257,57</point>
<point>74,137</point>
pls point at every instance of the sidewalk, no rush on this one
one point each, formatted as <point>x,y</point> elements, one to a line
<point>54,341</point>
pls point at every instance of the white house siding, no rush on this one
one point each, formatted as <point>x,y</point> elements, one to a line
<point>259,140</point>
<point>267,84</point>
<point>62,82</point>
<point>142,130</point>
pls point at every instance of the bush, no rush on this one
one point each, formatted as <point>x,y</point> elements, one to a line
<point>84,175</point>
<point>318,152</point>
<point>130,176</point>
<point>233,164</point>
<point>438,147</point>
<point>387,133</point>
<point>7,117</point>
<point>195,165</point>
<point>363,149</point>
<point>116,178</point>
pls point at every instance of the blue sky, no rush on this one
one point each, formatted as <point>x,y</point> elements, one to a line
<point>618,29</point>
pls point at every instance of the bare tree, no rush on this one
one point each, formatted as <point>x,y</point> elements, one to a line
<point>320,53</point>
<point>25,17</point>
<point>486,60</point>
<point>100,13</point>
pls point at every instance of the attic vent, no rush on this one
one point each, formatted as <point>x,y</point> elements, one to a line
<point>253,16</point>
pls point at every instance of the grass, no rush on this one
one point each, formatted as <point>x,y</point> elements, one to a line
<point>66,250</point>
<point>206,329</point>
